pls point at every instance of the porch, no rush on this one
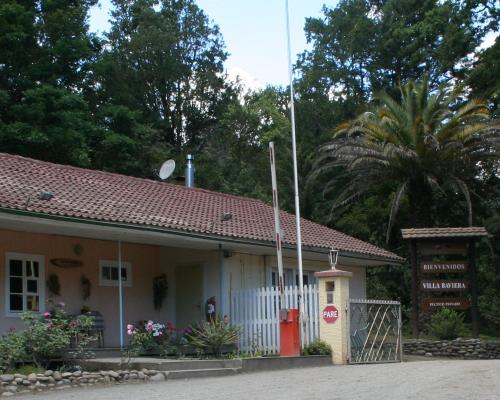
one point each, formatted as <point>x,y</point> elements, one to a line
<point>195,270</point>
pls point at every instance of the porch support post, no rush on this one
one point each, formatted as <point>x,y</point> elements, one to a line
<point>120,292</point>
<point>333,313</point>
<point>222,286</point>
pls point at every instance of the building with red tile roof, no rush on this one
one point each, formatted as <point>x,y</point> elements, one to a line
<point>94,226</point>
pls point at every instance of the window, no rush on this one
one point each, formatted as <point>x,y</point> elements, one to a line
<point>24,283</point>
<point>308,277</point>
<point>108,273</point>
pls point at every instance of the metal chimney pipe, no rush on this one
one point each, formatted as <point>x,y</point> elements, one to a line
<point>190,171</point>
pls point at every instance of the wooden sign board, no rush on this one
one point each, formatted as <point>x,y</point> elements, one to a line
<point>435,249</point>
<point>444,285</point>
<point>453,303</point>
<point>430,267</point>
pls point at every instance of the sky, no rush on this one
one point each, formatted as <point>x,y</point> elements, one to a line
<point>254,32</point>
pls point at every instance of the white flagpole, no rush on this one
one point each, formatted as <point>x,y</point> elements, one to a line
<point>296,180</point>
<point>277,226</point>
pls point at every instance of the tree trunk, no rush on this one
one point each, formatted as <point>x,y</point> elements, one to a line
<point>420,199</point>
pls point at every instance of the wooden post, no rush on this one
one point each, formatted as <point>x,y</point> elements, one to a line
<point>414,288</point>
<point>473,288</point>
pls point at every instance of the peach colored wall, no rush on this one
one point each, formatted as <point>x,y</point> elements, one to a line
<point>239,271</point>
<point>138,299</point>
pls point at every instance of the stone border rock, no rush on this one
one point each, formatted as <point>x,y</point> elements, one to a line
<point>470,349</point>
<point>11,384</point>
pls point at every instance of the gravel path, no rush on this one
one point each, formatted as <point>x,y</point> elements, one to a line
<point>419,380</point>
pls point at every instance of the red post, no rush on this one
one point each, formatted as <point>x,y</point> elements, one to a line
<point>289,334</point>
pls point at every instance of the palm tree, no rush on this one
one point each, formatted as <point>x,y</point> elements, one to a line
<point>423,142</point>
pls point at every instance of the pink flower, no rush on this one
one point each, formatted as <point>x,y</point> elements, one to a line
<point>130,327</point>
<point>149,326</point>
<point>47,315</point>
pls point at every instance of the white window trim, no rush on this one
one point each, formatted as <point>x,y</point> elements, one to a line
<point>41,281</point>
<point>114,263</point>
<point>289,273</point>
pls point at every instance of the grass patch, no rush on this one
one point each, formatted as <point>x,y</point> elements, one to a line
<point>28,369</point>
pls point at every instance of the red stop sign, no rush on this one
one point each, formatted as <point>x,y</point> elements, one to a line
<point>330,314</point>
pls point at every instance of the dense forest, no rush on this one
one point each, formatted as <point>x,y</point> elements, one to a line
<point>154,88</point>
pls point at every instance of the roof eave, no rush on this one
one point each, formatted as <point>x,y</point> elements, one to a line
<point>372,258</point>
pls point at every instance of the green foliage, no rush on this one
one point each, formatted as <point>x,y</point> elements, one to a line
<point>317,348</point>
<point>483,78</point>
<point>421,143</point>
<point>362,46</point>
<point>28,369</point>
<point>12,351</point>
<point>212,337</point>
<point>236,159</point>
<point>48,337</point>
<point>165,59</point>
<point>446,324</point>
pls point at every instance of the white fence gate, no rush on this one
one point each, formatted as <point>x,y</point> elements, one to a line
<point>256,312</point>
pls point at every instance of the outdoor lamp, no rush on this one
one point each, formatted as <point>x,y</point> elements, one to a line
<point>333,256</point>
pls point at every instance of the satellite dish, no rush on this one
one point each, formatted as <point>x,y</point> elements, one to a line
<point>166,169</point>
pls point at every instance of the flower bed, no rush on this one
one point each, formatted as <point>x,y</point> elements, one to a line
<point>206,338</point>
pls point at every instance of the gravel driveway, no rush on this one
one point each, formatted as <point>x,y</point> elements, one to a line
<point>419,380</point>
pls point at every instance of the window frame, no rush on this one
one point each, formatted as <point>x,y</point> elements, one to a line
<point>114,264</point>
<point>290,276</point>
<point>24,257</point>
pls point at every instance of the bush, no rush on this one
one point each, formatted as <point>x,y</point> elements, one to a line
<point>211,337</point>
<point>11,351</point>
<point>48,337</point>
<point>446,324</point>
<point>317,348</point>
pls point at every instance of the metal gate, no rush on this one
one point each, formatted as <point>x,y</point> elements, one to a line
<point>375,331</point>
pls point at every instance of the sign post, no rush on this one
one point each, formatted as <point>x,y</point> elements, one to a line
<point>436,254</point>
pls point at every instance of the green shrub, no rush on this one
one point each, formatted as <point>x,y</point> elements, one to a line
<point>446,324</point>
<point>11,351</point>
<point>28,369</point>
<point>212,337</point>
<point>317,348</point>
<point>48,337</point>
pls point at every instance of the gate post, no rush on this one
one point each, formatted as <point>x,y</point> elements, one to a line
<point>333,287</point>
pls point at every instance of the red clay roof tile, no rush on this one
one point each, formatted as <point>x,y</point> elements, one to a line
<point>98,195</point>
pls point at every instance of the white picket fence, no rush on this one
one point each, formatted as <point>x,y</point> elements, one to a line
<point>256,312</point>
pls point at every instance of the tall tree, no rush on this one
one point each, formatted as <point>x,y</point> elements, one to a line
<point>421,143</point>
<point>483,78</point>
<point>362,46</point>
<point>165,59</point>
<point>46,48</point>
